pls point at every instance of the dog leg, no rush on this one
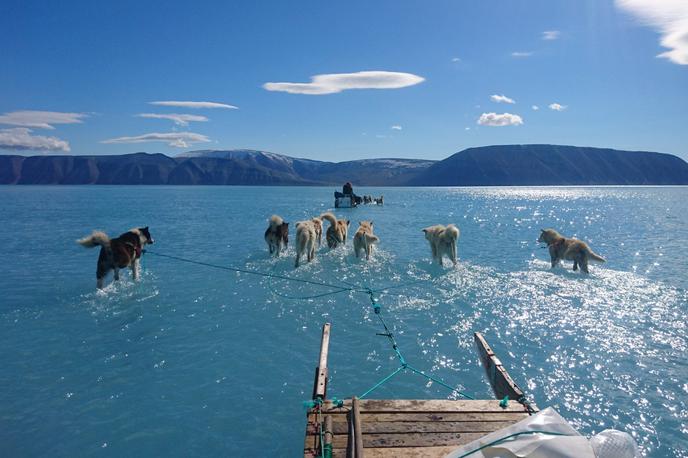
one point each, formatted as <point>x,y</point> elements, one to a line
<point>434,252</point>
<point>135,269</point>
<point>452,253</point>
<point>116,274</point>
<point>584,265</point>
<point>99,283</point>
<point>575,265</point>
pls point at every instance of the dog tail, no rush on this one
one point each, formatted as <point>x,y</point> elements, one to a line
<point>95,239</point>
<point>329,217</point>
<point>595,257</point>
<point>451,233</point>
<point>370,238</point>
<point>275,221</point>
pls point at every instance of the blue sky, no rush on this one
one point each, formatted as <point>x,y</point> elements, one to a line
<point>75,75</point>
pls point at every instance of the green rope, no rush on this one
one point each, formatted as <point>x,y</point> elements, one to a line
<point>403,364</point>
<point>381,382</point>
<point>495,442</point>
<point>252,272</point>
<point>336,289</point>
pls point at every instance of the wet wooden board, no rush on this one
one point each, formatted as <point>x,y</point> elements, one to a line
<point>500,380</point>
<point>413,428</point>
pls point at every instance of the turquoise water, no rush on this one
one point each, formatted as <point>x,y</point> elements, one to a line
<point>195,361</point>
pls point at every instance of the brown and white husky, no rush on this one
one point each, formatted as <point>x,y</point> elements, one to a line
<point>277,235</point>
<point>442,241</point>
<point>574,250</point>
<point>364,238</point>
<point>118,253</point>
<point>337,232</point>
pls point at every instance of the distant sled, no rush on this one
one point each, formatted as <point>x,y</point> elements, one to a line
<point>346,200</point>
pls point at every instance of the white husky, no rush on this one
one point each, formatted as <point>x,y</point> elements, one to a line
<point>364,238</point>
<point>306,240</point>
<point>442,241</point>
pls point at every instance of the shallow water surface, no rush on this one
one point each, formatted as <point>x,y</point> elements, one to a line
<point>197,361</point>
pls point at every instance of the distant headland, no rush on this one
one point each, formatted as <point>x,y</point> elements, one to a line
<point>503,165</point>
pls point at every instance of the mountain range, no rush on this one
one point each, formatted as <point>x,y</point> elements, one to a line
<point>503,165</point>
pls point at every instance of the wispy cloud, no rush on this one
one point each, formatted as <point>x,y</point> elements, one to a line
<point>40,119</point>
<point>177,139</point>
<point>535,107</point>
<point>456,59</point>
<point>557,107</point>
<point>396,127</point>
<point>499,119</point>
<point>669,18</point>
<point>521,54</point>
<point>338,82</point>
<point>20,139</point>
<point>551,35</point>
<point>179,119</point>
<point>501,99</point>
<point>189,104</point>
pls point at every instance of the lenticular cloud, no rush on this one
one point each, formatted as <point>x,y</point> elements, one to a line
<point>177,139</point>
<point>338,82</point>
<point>20,139</point>
<point>670,18</point>
<point>499,119</point>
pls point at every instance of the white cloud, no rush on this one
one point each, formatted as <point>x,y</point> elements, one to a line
<point>557,107</point>
<point>670,18</point>
<point>338,82</point>
<point>396,127</point>
<point>177,139</point>
<point>501,99</point>
<point>179,119</point>
<point>551,34</point>
<point>456,59</point>
<point>466,128</point>
<point>40,119</point>
<point>499,119</point>
<point>175,103</point>
<point>20,139</point>
<point>521,54</point>
<point>535,107</point>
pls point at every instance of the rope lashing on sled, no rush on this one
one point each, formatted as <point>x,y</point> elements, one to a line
<point>336,289</point>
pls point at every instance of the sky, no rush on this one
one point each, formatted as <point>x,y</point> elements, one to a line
<point>342,80</point>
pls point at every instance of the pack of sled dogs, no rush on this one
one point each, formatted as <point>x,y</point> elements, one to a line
<point>125,251</point>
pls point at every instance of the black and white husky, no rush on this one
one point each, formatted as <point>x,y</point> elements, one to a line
<point>118,253</point>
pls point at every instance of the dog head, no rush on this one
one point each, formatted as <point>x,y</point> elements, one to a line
<point>145,236</point>
<point>548,236</point>
<point>367,224</point>
<point>426,231</point>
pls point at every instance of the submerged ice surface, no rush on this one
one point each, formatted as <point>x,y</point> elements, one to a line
<point>198,361</point>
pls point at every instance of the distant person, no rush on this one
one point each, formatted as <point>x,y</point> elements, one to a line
<point>347,189</point>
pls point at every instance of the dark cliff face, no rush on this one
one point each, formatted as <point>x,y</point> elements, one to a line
<point>491,165</point>
<point>532,165</point>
